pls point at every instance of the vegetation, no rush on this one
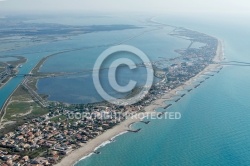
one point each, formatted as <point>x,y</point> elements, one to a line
<point>21,109</point>
<point>17,109</point>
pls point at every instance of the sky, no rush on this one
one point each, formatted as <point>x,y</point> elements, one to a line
<point>153,6</point>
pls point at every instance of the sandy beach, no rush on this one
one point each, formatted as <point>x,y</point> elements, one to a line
<point>90,146</point>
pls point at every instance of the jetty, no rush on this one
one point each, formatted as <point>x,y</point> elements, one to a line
<point>177,100</point>
<point>134,131</point>
<point>167,106</point>
<point>196,86</point>
<point>145,122</point>
<point>161,113</point>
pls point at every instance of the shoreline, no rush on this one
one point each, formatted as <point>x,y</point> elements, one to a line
<point>3,109</point>
<point>88,148</point>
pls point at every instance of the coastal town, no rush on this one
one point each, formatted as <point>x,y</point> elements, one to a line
<point>47,139</point>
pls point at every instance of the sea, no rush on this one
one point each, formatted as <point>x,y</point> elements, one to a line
<point>214,128</point>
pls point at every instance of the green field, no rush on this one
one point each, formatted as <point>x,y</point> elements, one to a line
<point>16,109</point>
<point>21,109</point>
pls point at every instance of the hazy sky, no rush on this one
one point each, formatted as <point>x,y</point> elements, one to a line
<point>159,6</point>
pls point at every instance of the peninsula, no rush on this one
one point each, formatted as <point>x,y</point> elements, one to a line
<point>55,138</point>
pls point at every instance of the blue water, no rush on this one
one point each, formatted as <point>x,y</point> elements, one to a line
<point>6,90</point>
<point>6,59</point>
<point>214,128</point>
<point>33,54</point>
<point>81,89</point>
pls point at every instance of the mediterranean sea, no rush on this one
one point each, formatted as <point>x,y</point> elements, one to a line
<point>214,128</point>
